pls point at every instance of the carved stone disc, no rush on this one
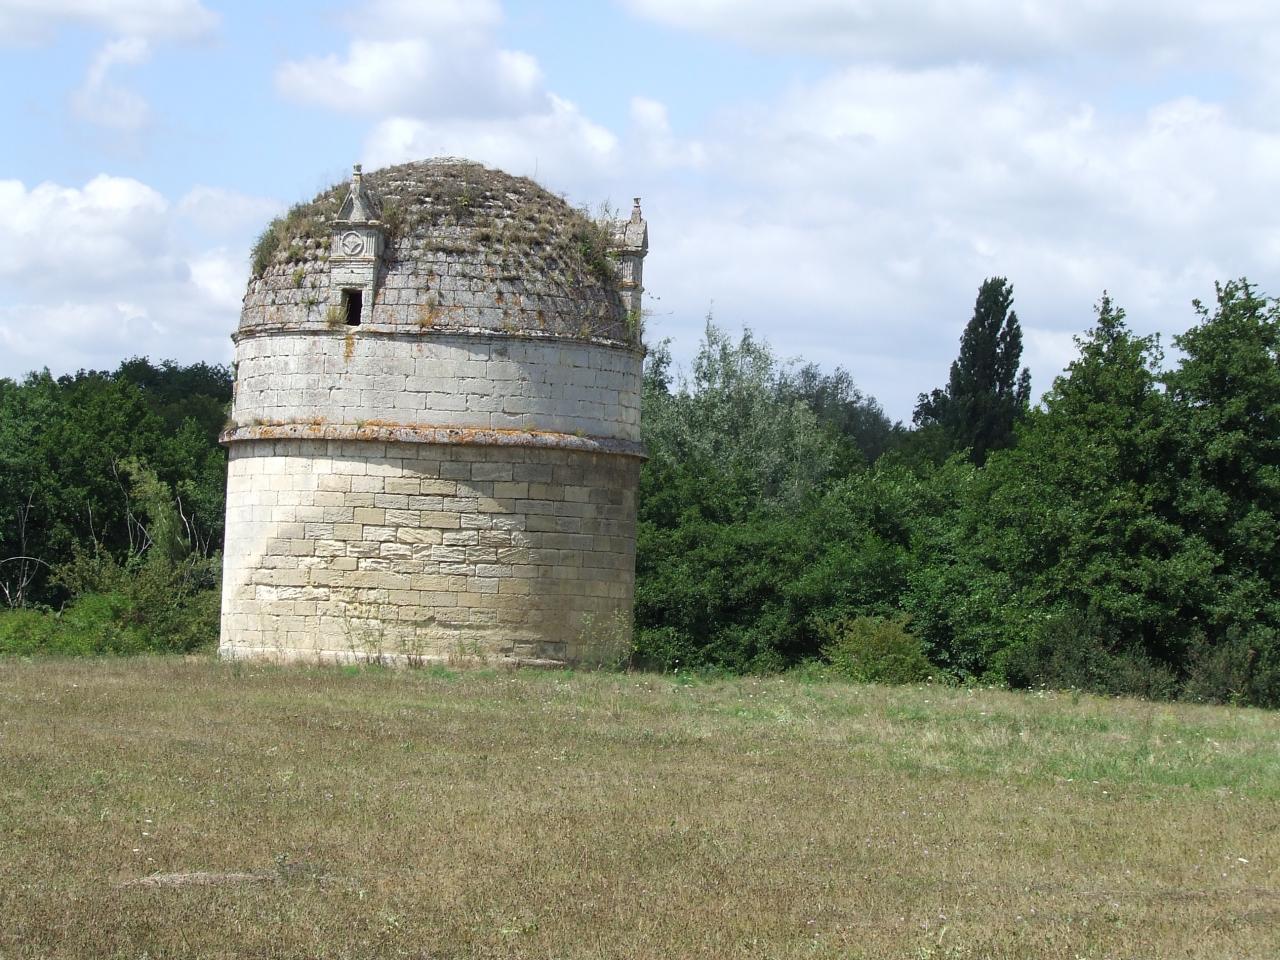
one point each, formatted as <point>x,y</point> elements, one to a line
<point>352,244</point>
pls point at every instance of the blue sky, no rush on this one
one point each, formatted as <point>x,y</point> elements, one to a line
<point>839,175</point>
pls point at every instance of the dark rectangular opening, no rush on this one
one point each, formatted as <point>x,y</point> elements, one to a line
<point>352,301</point>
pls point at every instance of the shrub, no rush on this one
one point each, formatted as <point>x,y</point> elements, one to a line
<point>92,624</point>
<point>876,650</point>
<point>163,598</point>
<point>1072,651</point>
<point>134,621</point>
<point>1243,669</point>
<point>24,631</point>
<point>160,604</point>
<point>810,671</point>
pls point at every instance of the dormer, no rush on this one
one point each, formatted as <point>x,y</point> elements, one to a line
<point>356,253</point>
<point>631,243</point>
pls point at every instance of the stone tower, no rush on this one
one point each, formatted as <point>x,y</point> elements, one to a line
<point>435,446</point>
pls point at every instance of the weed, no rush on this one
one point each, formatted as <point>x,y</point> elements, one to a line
<point>303,222</point>
<point>364,631</point>
<point>335,316</point>
<point>605,642</point>
<point>429,313</point>
<point>635,325</point>
<point>394,221</point>
<point>467,651</point>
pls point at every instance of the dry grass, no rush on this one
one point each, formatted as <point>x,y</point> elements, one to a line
<point>423,814</point>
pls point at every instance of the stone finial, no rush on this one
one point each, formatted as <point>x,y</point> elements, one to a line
<point>632,235</point>
<point>631,243</point>
<point>359,205</point>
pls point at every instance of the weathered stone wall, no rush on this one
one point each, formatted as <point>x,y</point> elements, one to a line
<point>469,381</point>
<point>433,289</point>
<point>424,552</point>
<point>435,437</point>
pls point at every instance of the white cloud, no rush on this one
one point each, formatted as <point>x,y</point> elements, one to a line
<point>107,270</point>
<point>219,212</point>
<point>1049,350</point>
<point>86,335</point>
<point>37,20</point>
<point>220,277</point>
<point>420,77</point>
<point>560,145</point>
<point>851,220</point>
<point>658,146</point>
<point>438,83</point>
<point>454,19</point>
<point>420,59</point>
<point>916,32</point>
<point>100,101</point>
<point>134,24</point>
<point>111,228</point>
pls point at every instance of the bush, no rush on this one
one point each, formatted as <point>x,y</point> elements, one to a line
<point>24,631</point>
<point>150,603</point>
<point>1243,669</point>
<point>92,624</point>
<point>112,623</point>
<point>1072,651</point>
<point>876,650</point>
<point>810,671</point>
<point>157,604</point>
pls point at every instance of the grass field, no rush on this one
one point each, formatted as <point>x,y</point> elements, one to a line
<point>369,813</point>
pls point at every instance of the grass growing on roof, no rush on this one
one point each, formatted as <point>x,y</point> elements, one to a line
<point>460,209</point>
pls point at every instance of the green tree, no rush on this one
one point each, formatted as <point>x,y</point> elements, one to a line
<point>199,392</point>
<point>839,404</point>
<point>732,420</point>
<point>749,539</point>
<point>1077,521</point>
<point>985,394</point>
<point>63,446</point>
<point>1226,391</point>
<point>758,591</point>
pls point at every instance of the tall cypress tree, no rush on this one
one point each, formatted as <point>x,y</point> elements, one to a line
<point>985,394</point>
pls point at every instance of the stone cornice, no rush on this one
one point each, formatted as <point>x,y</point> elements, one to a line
<point>424,433</point>
<point>479,333</point>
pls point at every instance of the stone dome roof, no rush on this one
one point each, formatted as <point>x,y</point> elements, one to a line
<point>466,248</point>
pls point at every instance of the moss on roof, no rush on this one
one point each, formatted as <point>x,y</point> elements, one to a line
<point>458,207</point>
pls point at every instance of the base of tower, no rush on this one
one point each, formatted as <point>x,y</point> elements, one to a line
<point>354,551</point>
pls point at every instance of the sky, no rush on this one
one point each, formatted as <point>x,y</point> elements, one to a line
<point>839,176</point>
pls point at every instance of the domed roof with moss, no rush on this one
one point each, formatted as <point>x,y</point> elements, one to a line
<point>467,248</point>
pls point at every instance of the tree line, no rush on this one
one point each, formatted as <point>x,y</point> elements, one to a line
<point>1120,536</point>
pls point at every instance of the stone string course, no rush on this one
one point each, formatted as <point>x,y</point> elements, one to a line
<point>355,550</point>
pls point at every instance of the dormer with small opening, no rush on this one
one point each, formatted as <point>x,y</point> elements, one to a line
<point>356,253</point>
